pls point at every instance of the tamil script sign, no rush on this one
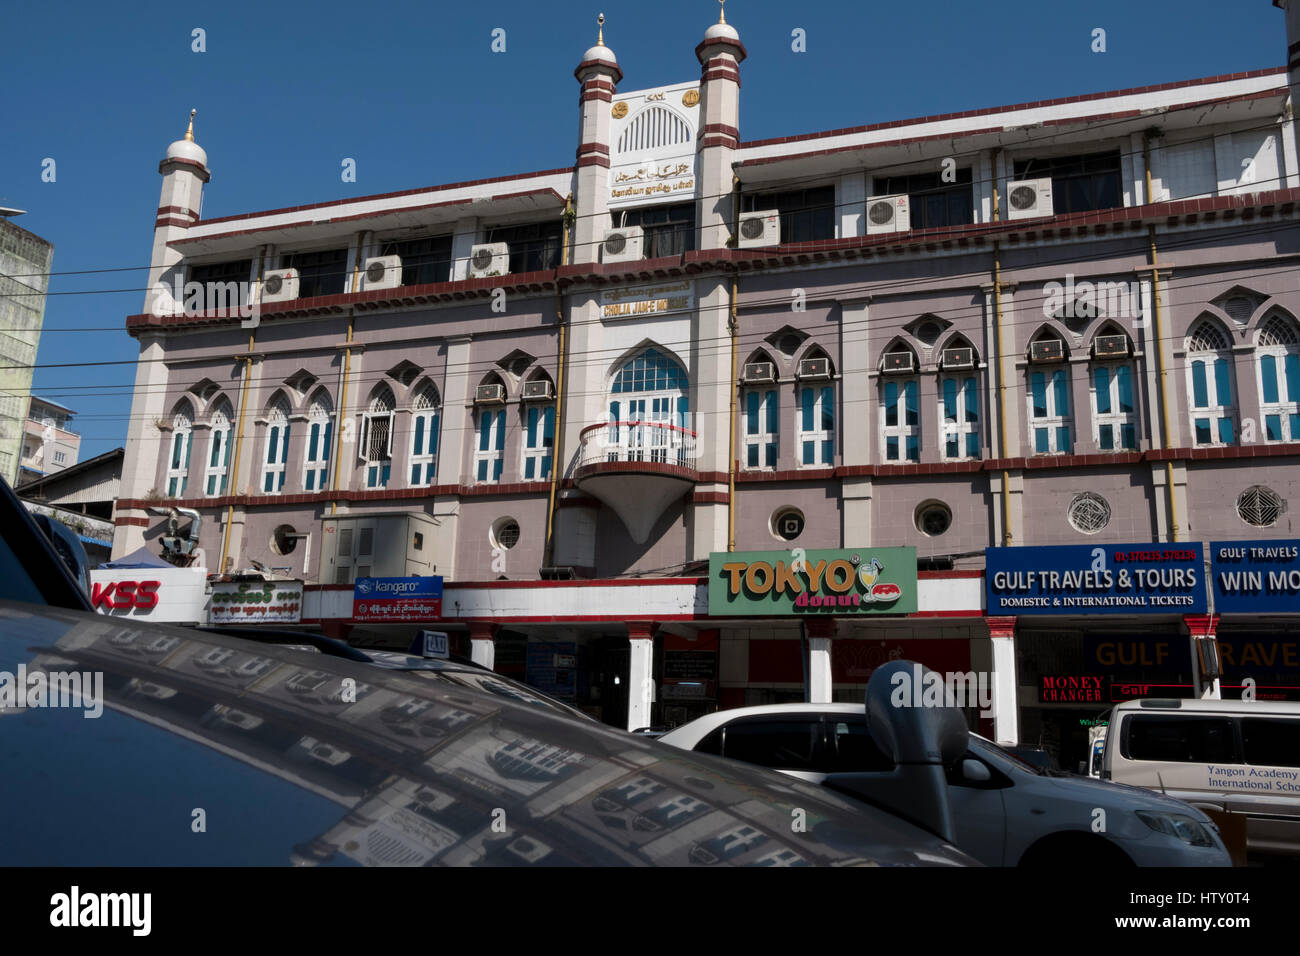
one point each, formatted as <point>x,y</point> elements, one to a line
<point>256,602</point>
<point>398,600</point>
<point>1255,577</point>
<point>1103,579</point>
<point>848,581</point>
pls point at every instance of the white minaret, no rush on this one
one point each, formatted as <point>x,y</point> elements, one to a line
<point>599,75</point>
<point>719,54</point>
<point>184,170</point>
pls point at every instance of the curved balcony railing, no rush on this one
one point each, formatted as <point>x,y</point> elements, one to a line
<point>655,442</point>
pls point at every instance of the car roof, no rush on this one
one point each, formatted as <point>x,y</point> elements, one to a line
<point>1199,706</point>
<point>698,728</point>
<point>323,760</point>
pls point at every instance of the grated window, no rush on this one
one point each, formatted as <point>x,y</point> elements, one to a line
<point>1088,513</point>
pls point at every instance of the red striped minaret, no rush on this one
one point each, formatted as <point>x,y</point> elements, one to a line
<point>719,54</point>
<point>599,75</point>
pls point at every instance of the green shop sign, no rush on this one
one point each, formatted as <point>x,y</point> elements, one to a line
<point>851,581</point>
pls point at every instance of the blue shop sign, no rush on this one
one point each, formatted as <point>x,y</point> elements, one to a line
<point>1253,577</point>
<point>1100,579</point>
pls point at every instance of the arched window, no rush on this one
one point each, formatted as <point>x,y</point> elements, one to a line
<point>490,423</point>
<point>1209,384</point>
<point>1114,401</point>
<point>815,395</point>
<point>1050,422</point>
<point>178,464</point>
<point>1278,354</point>
<point>424,436</point>
<point>649,409</point>
<point>217,475</point>
<point>959,409</point>
<point>376,449</point>
<point>539,436</point>
<point>760,412</point>
<point>900,405</point>
<point>277,445</point>
<point>320,435</point>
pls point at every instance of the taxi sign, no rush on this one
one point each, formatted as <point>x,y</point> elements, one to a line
<point>431,644</point>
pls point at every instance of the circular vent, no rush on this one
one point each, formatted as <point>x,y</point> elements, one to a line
<point>284,539</point>
<point>1088,513</point>
<point>615,243</point>
<point>375,271</point>
<point>751,228</point>
<point>787,523</point>
<point>881,213</point>
<point>481,259</point>
<point>505,533</point>
<point>274,284</point>
<point>1260,506</point>
<point>1024,197</point>
<point>928,332</point>
<point>933,518</point>
<point>1239,309</point>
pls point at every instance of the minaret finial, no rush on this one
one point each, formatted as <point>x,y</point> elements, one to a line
<point>189,133</point>
<point>722,11</point>
<point>600,30</point>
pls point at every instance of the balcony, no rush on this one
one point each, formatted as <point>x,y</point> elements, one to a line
<point>637,468</point>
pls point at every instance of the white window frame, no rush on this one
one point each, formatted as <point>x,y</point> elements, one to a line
<point>494,455</point>
<point>178,465</point>
<point>1054,419</point>
<point>319,447</point>
<point>1283,409</point>
<point>960,428</point>
<point>218,449</point>
<point>816,434</point>
<point>1213,411</point>
<point>426,422</point>
<point>763,438</point>
<point>900,430</point>
<point>540,453</point>
<point>277,429</point>
<point>378,464</point>
<point>1115,418</point>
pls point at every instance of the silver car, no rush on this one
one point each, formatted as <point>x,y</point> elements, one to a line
<point>1004,811</point>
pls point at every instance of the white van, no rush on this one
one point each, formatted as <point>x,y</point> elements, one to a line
<point>1233,755</point>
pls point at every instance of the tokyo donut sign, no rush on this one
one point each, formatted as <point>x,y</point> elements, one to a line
<point>849,581</point>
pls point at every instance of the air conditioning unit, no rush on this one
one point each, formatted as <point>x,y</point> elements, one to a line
<point>958,358</point>
<point>756,372</point>
<point>1106,346</point>
<point>896,362</point>
<point>490,394</point>
<point>1027,198</point>
<point>625,244</point>
<point>759,229</point>
<point>1047,350</point>
<point>538,390</point>
<point>489,259</point>
<point>815,368</point>
<point>888,214</point>
<point>279,285</point>
<point>382,272</point>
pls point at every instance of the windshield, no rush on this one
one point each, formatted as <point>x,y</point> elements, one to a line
<point>983,743</point>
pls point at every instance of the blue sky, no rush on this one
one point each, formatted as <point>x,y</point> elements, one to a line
<point>413,92</point>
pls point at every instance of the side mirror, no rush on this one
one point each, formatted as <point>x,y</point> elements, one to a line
<point>922,739</point>
<point>975,772</point>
